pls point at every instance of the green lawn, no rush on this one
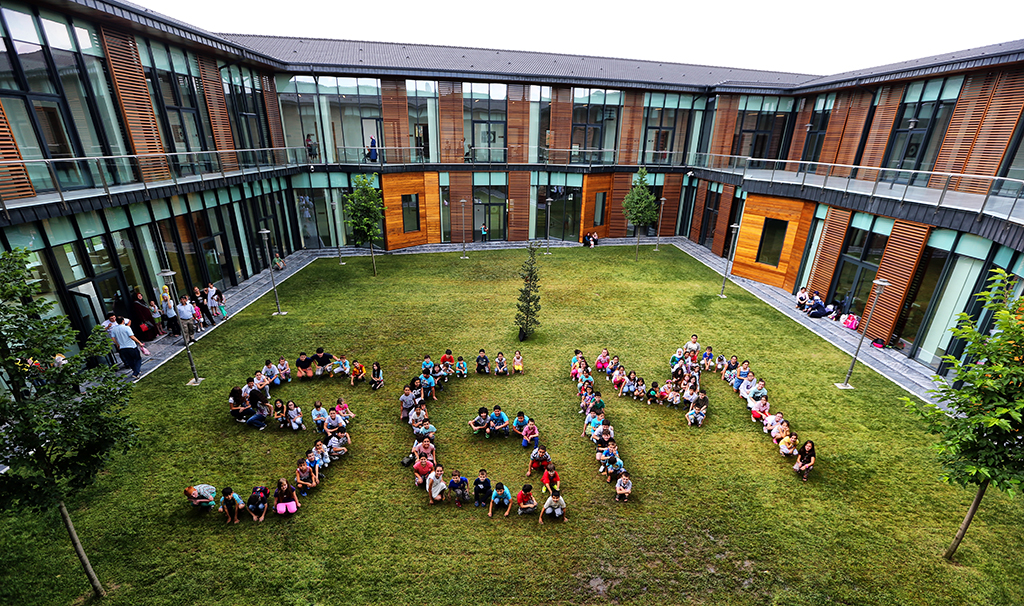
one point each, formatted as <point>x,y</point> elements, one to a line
<point>718,516</point>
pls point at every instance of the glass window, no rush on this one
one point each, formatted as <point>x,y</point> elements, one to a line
<point>99,255</point>
<point>599,205</point>
<point>956,293</point>
<point>773,237</point>
<point>411,212</point>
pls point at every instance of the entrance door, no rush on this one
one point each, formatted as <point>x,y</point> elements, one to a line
<point>212,255</point>
<point>493,215</point>
<point>86,308</point>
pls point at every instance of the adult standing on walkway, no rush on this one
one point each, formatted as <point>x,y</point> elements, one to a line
<point>127,346</point>
<point>186,319</point>
<point>204,307</point>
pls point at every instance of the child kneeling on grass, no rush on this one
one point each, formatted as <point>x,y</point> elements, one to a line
<point>554,506</point>
<point>624,487</point>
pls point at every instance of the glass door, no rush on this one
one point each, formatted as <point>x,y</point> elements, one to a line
<point>493,216</point>
<point>213,252</point>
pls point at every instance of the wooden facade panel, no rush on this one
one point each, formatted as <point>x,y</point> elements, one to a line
<point>518,117</point>
<point>881,127</point>
<point>14,180</point>
<point>995,131</point>
<point>460,187</point>
<point>432,213</point>
<point>803,117</point>
<point>834,132</point>
<point>962,132</point>
<point>136,107</point>
<point>698,210</point>
<point>799,244</point>
<point>632,123</point>
<point>722,224</point>
<point>452,137</point>
<point>725,124</point>
<point>671,191</point>
<point>592,185</point>
<point>829,249</point>
<point>858,108</point>
<point>614,217</point>
<point>217,107</point>
<point>561,125</point>
<point>393,187</point>
<point>519,205</point>
<point>898,265</point>
<point>395,121</point>
<point>273,109</point>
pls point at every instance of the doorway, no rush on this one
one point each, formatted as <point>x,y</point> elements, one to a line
<point>490,214</point>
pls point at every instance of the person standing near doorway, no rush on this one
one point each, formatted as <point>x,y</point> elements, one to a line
<point>127,346</point>
<point>186,319</point>
<point>483,232</point>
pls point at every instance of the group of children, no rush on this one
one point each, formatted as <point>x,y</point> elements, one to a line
<point>597,427</point>
<point>325,364</point>
<point>429,473</point>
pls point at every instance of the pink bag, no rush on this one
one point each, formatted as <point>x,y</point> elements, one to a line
<point>144,351</point>
<point>852,322</point>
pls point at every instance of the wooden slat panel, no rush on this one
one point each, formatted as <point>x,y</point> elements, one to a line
<point>217,107</point>
<point>899,264</point>
<point>461,188</point>
<point>975,96</point>
<point>881,127</point>
<point>829,249</point>
<point>393,187</point>
<point>834,132</point>
<point>593,185</point>
<point>395,114</point>
<point>136,107</point>
<point>853,127</point>
<point>671,191</point>
<point>519,205</point>
<point>273,117</point>
<point>803,117</point>
<point>14,181</point>
<point>698,210</point>
<point>722,224</point>
<point>432,210</point>
<point>725,124</point>
<point>518,125</point>
<point>995,132</point>
<point>614,217</point>
<point>632,122</point>
<point>799,243</point>
<point>561,125</point>
<point>450,122</point>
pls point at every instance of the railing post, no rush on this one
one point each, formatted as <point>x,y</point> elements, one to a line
<point>56,183</point>
<point>906,188</point>
<point>3,205</point>
<point>878,175</point>
<point>1013,206</point>
<point>984,203</point>
<point>828,173</point>
<point>803,181</point>
<point>103,177</point>
<point>942,196</point>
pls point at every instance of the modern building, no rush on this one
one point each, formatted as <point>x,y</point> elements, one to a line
<point>132,142</point>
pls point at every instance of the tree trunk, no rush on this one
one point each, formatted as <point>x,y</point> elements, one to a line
<point>373,260</point>
<point>93,579</point>
<point>967,521</point>
<point>637,257</point>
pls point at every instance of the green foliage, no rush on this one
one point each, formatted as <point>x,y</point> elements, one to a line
<point>979,423</point>
<point>639,205</point>
<point>528,306</point>
<point>364,210</point>
<point>54,437</point>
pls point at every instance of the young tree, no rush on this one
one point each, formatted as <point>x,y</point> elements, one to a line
<point>980,421</point>
<point>529,300</point>
<point>55,435</point>
<point>364,212</point>
<point>640,207</point>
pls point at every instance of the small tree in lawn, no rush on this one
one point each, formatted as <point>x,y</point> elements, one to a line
<point>529,300</point>
<point>364,212</point>
<point>980,439</point>
<point>640,207</point>
<point>54,436</point>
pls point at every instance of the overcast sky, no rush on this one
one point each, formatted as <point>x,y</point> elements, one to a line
<point>809,37</point>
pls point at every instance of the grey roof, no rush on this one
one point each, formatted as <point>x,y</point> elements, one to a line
<point>397,58</point>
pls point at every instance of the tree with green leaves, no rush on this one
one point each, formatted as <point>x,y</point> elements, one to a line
<point>639,206</point>
<point>364,212</point>
<point>979,418</point>
<point>528,306</point>
<point>60,420</point>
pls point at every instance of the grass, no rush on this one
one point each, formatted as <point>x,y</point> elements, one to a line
<point>717,517</point>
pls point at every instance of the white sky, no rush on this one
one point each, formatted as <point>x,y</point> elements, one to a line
<point>809,37</point>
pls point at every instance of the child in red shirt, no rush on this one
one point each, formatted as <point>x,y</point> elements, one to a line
<point>550,479</point>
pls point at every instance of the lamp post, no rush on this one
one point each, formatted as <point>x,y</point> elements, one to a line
<point>337,217</point>
<point>879,287</point>
<point>547,226</point>
<point>168,277</point>
<point>464,255</point>
<point>735,227</point>
<point>266,244</point>
<point>661,214</point>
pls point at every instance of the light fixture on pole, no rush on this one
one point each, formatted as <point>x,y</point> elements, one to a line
<point>266,244</point>
<point>337,218</point>
<point>168,277</point>
<point>879,288</point>
<point>547,226</point>
<point>661,214</point>
<point>464,255</point>
<point>735,227</point>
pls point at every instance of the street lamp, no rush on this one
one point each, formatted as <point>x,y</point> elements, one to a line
<point>661,213</point>
<point>880,285</point>
<point>337,236</point>
<point>464,255</point>
<point>547,226</point>
<point>732,253</point>
<point>168,277</point>
<point>266,243</point>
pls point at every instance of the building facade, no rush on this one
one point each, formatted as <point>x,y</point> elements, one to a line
<point>131,142</point>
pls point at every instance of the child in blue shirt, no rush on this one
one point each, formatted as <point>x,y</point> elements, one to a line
<point>230,503</point>
<point>707,360</point>
<point>483,364</point>
<point>461,369</point>
<point>481,488</point>
<point>458,488</point>
<point>502,497</point>
<point>428,364</point>
<point>498,423</point>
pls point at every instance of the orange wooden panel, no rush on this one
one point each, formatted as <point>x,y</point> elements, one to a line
<point>829,249</point>
<point>217,107</point>
<point>671,191</point>
<point>962,132</point>
<point>898,265</point>
<point>995,131</point>
<point>395,120</point>
<point>273,116</point>
<point>561,125</point>
<point>803,117</point>
<point>698,210</point>
<point>632,122</point>
<point>519,205</point>
<point>797,251</point>
<point>393,187</point>
<point>853,126</point>
<point>432,209</point>
<point>518,125</point>
<point>452,137</point>
<point>136,107</point>
<point>722,224</point>
<point>881,127</point>
<point>14,180</point>
<point>834,132</point>
<point>594,184</point>
<point>461,188</point>
<point>614,217</point>
<point>797,213</point>
<point>725,124</point>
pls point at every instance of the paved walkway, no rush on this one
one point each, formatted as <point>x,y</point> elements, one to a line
<point>908,374</point>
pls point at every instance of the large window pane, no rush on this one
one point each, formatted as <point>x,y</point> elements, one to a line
<point>773,236</point>
<point>955,294</point>
<point>410,212</point>
<point>28,144</point>
<point>33,63</point>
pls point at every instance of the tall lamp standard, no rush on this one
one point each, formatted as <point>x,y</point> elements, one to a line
<point>168,277</point>
<point>337,217</point>
<point>464,255</point>
<point>547,226</point>
<point>880,285</point>
<point>661,214</point>
<point>735,227</point>
<point>266,244</point>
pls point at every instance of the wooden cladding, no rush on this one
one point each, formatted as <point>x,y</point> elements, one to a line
<point>460,187</point>
<point>881,127</point>
<point>722,223</point>
<point>395,114</point>
<point>561,125</point>
<point>671,191</point>
<point>725,124</point>
<point>898,265</point>
<point>613,215</point>
<point>136,107</point>
<point>594,184</point>
<point>450,122</point>
<point>858,106</point>
<point>829,249</point>
<point>798,214</point>
<point>803,118</point>
<point>518,118</point>
<point>14,181</point>
<point>276,130</point>
<point>424,186</point>
<point>519,205</point>
<point>632,123</point>
<point>217,107</point>
<point>698,210</point>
